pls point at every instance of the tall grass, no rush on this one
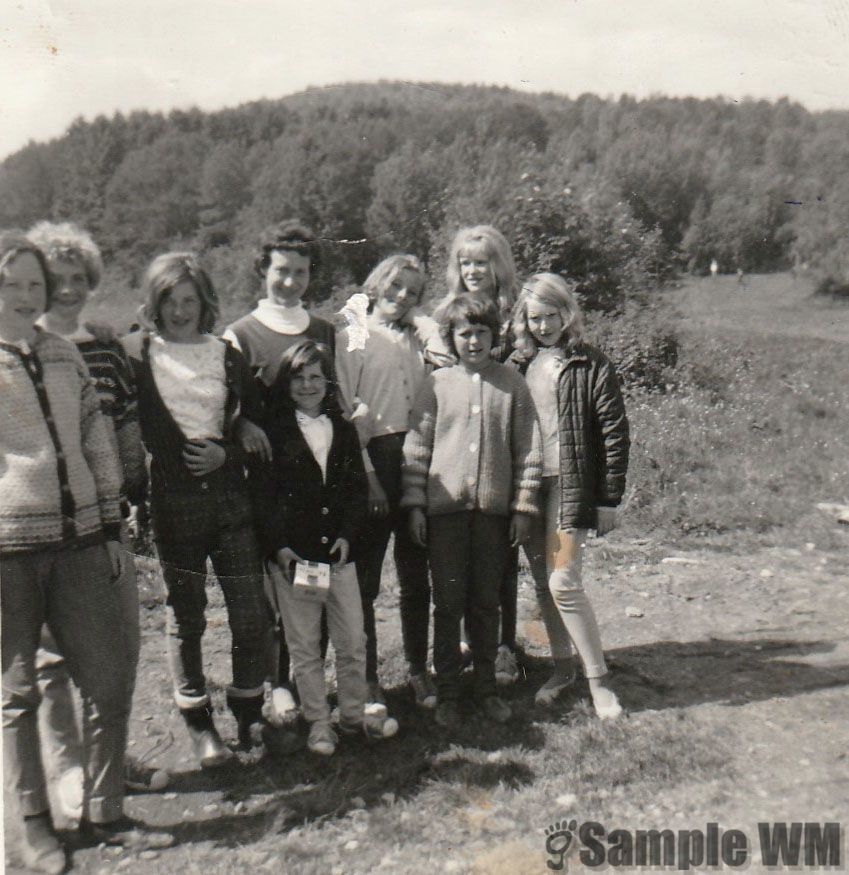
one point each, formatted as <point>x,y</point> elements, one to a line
<point>750,434</point>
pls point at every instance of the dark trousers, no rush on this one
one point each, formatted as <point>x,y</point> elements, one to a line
<point>217,525</point>
<point>386,455</point>
<point>508,599</point>
<point>468,552</point>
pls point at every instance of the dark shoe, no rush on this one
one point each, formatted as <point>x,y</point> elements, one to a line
<point>249,720</point>
<point>210,751</point>
<point>496,709</point>
<point>447,715</point>
<point>39,848</point>
<point>424,690</point>
<point>280,741</point>
<point>139,778</point>
<point>373,726</point>
<point>124,833</point>
<point>506,666</point>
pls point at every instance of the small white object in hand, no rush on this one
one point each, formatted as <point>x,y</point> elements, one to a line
<point>355,311</point>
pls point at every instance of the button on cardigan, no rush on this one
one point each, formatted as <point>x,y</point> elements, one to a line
<point>473,444</point>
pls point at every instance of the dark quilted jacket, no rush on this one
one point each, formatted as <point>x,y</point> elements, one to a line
<point>594,438</point>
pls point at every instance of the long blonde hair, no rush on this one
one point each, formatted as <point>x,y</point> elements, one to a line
<point>492,244</point>
<point>554,291</point>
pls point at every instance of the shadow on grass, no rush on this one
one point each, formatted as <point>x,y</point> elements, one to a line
<point>274,796</point>
<point>671,674</point>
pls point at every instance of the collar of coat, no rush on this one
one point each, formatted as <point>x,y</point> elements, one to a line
<point>572,352</point>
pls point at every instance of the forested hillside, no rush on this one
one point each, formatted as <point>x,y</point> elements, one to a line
<point>617,192</point>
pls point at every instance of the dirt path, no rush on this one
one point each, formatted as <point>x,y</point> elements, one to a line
<point>755,646</point>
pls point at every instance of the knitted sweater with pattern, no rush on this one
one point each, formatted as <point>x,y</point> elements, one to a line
<point>59,477</point>
<point>473,444</point>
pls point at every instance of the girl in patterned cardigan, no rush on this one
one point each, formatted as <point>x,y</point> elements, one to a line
<point>60,556</point>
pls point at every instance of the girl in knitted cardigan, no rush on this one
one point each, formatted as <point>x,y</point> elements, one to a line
<point>60,557</point>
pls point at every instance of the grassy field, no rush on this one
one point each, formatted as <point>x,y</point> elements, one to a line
<point>722,604</point>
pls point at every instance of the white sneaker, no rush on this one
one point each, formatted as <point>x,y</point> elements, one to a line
<point>506,666</point>
<point>323,739</point>
<point>375,704</point>
<point>606,704</point>
<point>69,792</point>
<point>552,688</point>
<point>280,709</point>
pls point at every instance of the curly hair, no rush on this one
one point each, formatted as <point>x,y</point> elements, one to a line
<point>287,236</point>
<point>15,243</point>
<point>489,242</point>
<point>292,362</point>
<point>385,272</point>
<point>169,270</point>
<point>64,241</point>
<point>552,290</point>
<point>467,308</point>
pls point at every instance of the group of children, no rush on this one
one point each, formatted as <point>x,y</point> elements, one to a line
<point>288,455</point>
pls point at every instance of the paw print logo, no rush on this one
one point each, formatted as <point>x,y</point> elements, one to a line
<point>558,841</point>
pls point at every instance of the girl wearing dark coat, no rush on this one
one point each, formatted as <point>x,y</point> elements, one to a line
<point>311,507</point>
<point>585,458</point>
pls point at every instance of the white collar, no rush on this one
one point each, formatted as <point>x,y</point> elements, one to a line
<point>283,320</point>
<point>305,419</point>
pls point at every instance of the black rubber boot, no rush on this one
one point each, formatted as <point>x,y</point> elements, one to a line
<point>256,731</point>
<point>210,751</point>
<point>248,714</point>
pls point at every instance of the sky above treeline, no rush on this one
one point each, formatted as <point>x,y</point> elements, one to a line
<point>60,59</point>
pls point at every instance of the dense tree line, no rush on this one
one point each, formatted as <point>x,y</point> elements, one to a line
<point>617,192</point>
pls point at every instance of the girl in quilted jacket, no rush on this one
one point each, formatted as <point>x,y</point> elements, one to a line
<point>585,458</point>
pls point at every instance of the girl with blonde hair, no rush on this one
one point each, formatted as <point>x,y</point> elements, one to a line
<point>585,443</point>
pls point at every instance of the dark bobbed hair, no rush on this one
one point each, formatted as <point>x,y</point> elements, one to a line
<point>169,270</point>
<point>467,308</point>
<point>15,243</point>
<point>293,361</point>
<point>287,236</point>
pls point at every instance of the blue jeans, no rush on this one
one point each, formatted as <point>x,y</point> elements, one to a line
<point>72,591</point>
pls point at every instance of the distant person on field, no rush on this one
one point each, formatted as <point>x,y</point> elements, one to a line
<point>471,475</point>
<point>714,268</point>
<point>75,267</point>
<point>379,383</point>
<point>60,563</point>
<point>585,444</point>
<point>287,259</point>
